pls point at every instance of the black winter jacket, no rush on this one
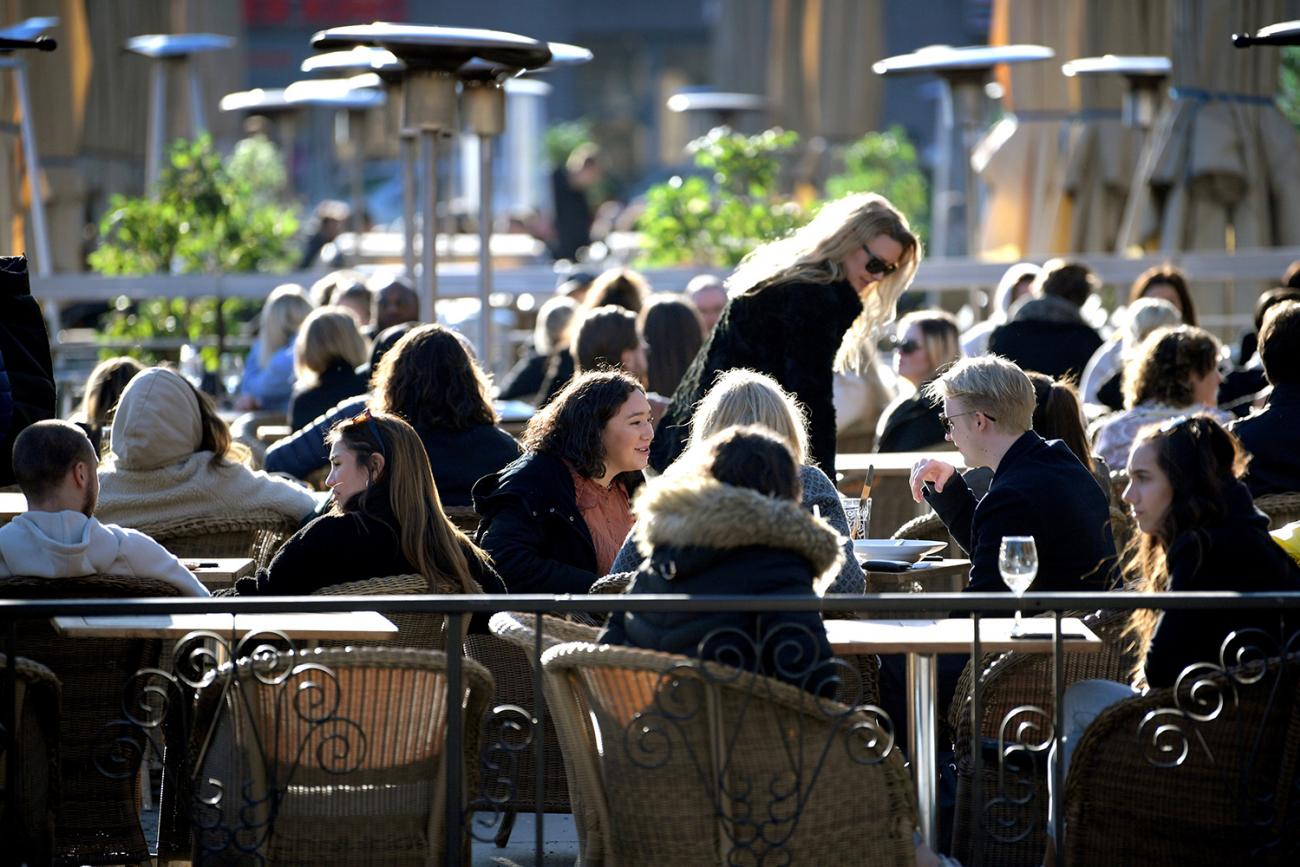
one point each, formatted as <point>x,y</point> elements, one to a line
<point>911,425</point>
<point>531,525</point>
<point>337,549</point>
<point>25,348</point>
<point>1057,349</point>
<point>1040,489</point>
<point>1272,436</point>
<point>706,538</point>
<point>338,383</point>
<point>789,330</point>
<point>1233,553</point>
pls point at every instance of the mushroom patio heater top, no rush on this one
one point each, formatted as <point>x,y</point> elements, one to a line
<point>431,56</point>
<point>713,108</point>
<point>964,72</point>
<point>164,49</point>
<point>1282,33</point>
<point>22,36</point>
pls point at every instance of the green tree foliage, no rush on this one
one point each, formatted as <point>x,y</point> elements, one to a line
<point>562,139</point>
<point>886,163</point>
<point>1288,91</point>
<point>717,220</point>
<point>208,217</point>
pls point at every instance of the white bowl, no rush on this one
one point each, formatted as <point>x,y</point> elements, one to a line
<point>910,550</point>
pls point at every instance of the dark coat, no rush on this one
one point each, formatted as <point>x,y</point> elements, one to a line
<point>26,350</point>
<point>525,378</point>
<point>911,425</point>
<point>789,330</point>
<point>1272,436</point>
<point>707,538</point>
<point>1234,553</point>
<point>1054,348</point>
<point>337,549</point>
<point>458,458</point>
<point>1040,489</point>
<point>559,370</point>
<point>531,525</point>
<point>338,383</point>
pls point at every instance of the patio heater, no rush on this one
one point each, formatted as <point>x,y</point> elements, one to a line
<point>1282,33</point>
<point>268,102</point>
<point>964,72</point>
<point>431,56</point>
<point>710,108</point>
<point>483,101</point>
<point>351,98</point>
<point>362,60</point>
<point>21,36</point>
<point>1145,76</point>
<point>164,51</point>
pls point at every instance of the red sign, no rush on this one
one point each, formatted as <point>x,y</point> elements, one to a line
<point>321,13</point>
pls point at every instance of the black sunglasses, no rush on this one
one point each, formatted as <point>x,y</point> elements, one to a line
<point>876,265</point>
<point>372,428</point>
<point>946,420</point>
<point>908,346</point>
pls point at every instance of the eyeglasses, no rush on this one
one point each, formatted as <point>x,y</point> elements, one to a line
<point>876,265</point>
<point>372,428</point>
<point>946,420</point>
<point>908,346</point>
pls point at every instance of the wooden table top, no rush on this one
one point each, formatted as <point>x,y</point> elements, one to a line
<point>369,625</point>
<point>892,463</point>
<point>12,504</point>
<point>953,635</point>
<point>214,572</point>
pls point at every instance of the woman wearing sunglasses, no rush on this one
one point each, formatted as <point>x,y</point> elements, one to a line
<point>793,301</point>
<point>386,519</point>
<point>928,342</point>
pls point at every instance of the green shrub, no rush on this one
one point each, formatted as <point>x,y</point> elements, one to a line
<point>886,163</point>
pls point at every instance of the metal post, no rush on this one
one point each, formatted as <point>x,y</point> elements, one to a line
<point>485,348</point>
<point>922,683</point>
<point>9,684</point>
<point>940,195</point>
<point>154,143</point>
<point>429,227</point>
<point>409,176</point>
<point>455,739</point>
<point>198,118</point>
<point>40,230</point>
<point>977,726</point>
<point>539,744</point>
<point>356,121</point>
<point>966,91</point>
<point>1058,722</point>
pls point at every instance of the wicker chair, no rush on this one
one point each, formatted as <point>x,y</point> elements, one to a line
<point>1016,680</point>
<point>697,758</point>
<point>1281,509</point>
<point>29,832</point>
<point>1232,799</point>
<point>613,584</point>
<point>257,535</point>
<point>357,779</point>
<point>99,815</point>
<point>464,517</point>
<point>414,629</point>
<point>517,631</point>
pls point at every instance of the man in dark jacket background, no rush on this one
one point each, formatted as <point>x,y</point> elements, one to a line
<point>1272,434</point>
<point>25,349</point>
<point>1047,332</point>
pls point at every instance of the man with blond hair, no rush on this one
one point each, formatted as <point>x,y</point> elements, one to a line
<point>1039,487</point>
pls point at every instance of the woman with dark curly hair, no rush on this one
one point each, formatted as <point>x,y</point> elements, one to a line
<point>430,381</point>
<point>554,519</point>
<point>1176,371</point>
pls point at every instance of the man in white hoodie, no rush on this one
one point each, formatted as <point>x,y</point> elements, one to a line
<point>58,536</point>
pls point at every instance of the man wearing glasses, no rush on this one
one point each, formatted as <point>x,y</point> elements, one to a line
<point>1039,487</point>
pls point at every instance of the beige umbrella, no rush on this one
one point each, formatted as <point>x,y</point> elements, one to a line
<point>1219,169</point>
<point>1103,148</point>
<point>1022,159</point>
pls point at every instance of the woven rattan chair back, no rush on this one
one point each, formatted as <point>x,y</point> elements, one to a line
<point>1017,681</point>
<point>1205,774</point>
<point>257,535</point>
<point>339,759</point>
<point>1281,509</point>
<point>701,763</point>
<point>35,751</point>
<point>414,629</point>
<point>99,816</point>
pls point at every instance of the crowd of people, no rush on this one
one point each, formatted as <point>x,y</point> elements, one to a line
<point>730,396</point>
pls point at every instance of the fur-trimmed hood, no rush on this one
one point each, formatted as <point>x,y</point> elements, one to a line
<point>697,512</point>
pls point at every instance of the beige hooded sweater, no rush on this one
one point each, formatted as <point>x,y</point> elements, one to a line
<point>155,473</point>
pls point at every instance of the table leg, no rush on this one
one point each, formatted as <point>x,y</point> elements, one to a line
<point>922,685</point>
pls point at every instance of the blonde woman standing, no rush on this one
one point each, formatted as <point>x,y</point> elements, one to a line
<point>792,303</point>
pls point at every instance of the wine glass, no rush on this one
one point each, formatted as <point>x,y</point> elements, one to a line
<point>1018,562</point>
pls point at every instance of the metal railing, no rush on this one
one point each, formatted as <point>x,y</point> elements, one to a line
<point>456,610</point>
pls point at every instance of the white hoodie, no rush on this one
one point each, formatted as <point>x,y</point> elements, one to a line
<point>68,544</point>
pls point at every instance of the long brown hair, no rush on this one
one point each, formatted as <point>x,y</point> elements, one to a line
<point>430,381</point>
<point>430,542</point>
<point>1202,461</point>
<point>671,328</point>
<point>1058,415</point>
<point>1162,370</point>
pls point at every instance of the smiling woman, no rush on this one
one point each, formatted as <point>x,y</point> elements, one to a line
<point>554,519</point>
<point>793,300</point>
